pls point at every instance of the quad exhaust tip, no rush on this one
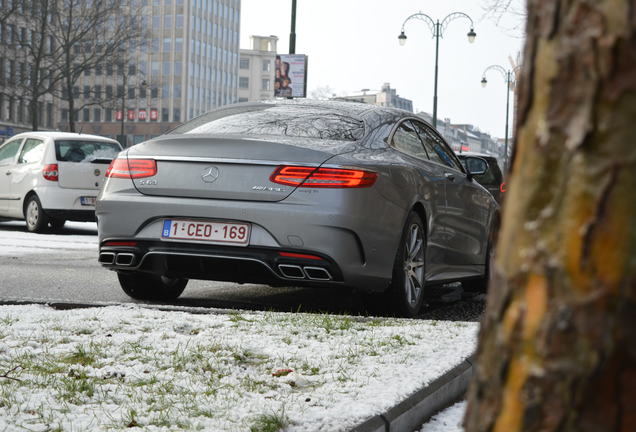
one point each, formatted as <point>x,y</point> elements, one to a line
<point>291,271</point>
<point>125,259</point>
<point>317,273</point>
<point>107,258</point>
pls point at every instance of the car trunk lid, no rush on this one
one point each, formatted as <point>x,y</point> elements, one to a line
<point>228,167</point>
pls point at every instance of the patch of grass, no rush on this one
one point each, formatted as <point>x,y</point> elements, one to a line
<point>270,422</point>
<point>82,355</point>
<point>236,318</point>
<point>8,320</point>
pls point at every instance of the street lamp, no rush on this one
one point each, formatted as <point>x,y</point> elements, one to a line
<point>508,76</point>
<point>437,29</point>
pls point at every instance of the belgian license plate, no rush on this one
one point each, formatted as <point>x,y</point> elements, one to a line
<point>208,231</point>
<point>87,201</point>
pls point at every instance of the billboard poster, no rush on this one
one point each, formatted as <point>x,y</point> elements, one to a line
<point>131,114</point>
<point>118,115</point>
<point>154,114</point>
<point>142,115</point>
<point>291,75</point>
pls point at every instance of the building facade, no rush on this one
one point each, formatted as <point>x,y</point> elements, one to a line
<point>186,65</point>
<point>256,69</point>
<point>386,97</point>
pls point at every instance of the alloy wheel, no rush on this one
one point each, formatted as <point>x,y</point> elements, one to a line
<point>414,265</point>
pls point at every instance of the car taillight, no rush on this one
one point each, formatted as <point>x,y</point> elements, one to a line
<point>502,187</point>
<point>131,168</point>
<point>322,177</point>
<point>50,172</point>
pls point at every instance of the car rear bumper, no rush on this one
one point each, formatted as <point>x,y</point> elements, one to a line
<point>358,250</point>
<point>212,262</point>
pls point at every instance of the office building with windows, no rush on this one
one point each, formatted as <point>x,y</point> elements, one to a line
<point>256,69</point>
<point>186,65</point>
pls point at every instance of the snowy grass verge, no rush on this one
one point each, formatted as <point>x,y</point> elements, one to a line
<point>116,368</point>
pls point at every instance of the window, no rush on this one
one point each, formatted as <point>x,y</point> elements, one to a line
<point>265,84</point>
<point>437,150</point>
<point>142,91</point>
<point>32,151</point>
<point>266,65</point>
<point>407,141</point>
<point>97,114</point>
<point>242,99</point>
<point>132,69</point>
<point>87,92</point>
<point>87,71</point>
<point>109,91</point>
<point>244,63</point>
<point>109,114</point>
<point>176,115</point>
<point>165,114</point>
<point>86,113</point>
<point>84,151</point>
<point>98,69</point>
<point>98,91</point>
<point>244,82</point>
<point>9,150</point>
<point>154,92</point>
<point>131,92</point>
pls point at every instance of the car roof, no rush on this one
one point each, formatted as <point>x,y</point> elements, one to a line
<point>62,135</point>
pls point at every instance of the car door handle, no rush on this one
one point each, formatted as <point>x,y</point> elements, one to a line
<point>450,176</point>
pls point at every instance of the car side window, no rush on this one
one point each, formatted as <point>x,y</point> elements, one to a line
<point>436,148</point>
<point>8,151</point>
<point>32,151</point>
<point>407,141</point>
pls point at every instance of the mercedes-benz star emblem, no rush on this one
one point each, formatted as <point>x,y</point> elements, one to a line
<point>210,174</point>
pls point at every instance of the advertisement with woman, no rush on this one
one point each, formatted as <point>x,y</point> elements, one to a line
<point>290,75</point>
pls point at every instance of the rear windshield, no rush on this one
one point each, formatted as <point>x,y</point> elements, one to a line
<point>278,120</point>
<point>84,151</point>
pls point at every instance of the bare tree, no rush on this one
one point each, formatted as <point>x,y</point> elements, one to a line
<point>322,93</point>
<point>557,348</point>
<point>33,53</point>
<point>90,35</point>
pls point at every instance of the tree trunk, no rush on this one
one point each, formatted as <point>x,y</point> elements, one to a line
<point>557,348</point>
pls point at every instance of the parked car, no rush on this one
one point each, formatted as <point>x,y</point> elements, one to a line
<point>48,178</point>
<point>301,193</point>
<point>491,179</point>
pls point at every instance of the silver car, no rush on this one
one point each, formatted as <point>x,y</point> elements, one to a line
<point>302,193</point>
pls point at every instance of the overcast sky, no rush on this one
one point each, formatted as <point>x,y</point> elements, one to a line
<point>352,44</point>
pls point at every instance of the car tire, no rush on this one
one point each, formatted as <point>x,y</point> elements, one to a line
<point>36,220</point>
<point>57,224</point>
<point>146,286</point>
<point>406,292</point>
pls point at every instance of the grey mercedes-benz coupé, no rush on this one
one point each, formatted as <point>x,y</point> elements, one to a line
<point>305,193</point>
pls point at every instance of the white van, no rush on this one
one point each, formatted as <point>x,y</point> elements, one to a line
<point>48,178</point>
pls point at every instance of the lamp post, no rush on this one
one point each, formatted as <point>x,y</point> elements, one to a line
<point>292,35</point>
<point>508,76</point>
<point>437,29</point>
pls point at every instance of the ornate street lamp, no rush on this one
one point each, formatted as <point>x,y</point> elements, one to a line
<point>437,29</point>
<point>509,78</point>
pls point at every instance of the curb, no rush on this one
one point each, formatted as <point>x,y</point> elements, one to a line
<point>411,413</point>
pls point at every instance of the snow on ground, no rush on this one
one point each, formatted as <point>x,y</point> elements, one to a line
<point>449,420</point>
<point>117,367</point>
<point>21,242</point>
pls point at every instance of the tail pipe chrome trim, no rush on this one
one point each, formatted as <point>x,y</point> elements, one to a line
<point>125,259</point>
<point>317,273</point>
<point>291,271</point>
<point>107,258</point>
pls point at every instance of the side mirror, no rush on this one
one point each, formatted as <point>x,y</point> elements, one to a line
<point>475,165</point>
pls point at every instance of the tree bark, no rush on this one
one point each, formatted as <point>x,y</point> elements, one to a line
<point>557,348</point>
